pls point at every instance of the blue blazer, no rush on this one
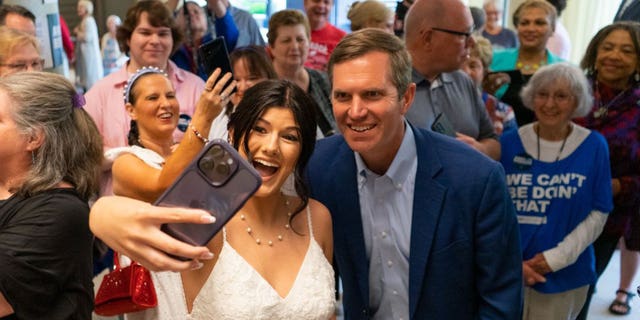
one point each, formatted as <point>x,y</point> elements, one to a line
<point>632,13</point>
<point>465,247</point>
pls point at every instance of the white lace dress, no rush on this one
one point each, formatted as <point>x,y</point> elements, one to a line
<point>235,290</point>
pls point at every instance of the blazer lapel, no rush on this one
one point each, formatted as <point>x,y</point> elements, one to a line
<point>427,207</point>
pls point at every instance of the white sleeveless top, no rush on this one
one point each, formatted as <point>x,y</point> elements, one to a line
<point>235,290</point>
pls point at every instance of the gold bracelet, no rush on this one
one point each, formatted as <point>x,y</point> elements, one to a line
<point>197,133</point>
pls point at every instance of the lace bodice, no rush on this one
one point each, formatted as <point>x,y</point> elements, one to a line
<point>235,290</point>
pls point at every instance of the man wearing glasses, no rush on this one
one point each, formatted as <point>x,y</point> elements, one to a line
<point>19,51</point>
<point>437,34</point>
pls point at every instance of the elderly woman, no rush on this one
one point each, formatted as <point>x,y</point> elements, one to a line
<point>535,22</point>
<point>613,67</point>
<point>477,68</point>
<point>112,58</point>
<point>88,56</point>
<point>19,51</point>
<point>559,180</point>
<point>289,46</point>
<point>370,14</point>
<point>51,155</point>
<point>500,38</point>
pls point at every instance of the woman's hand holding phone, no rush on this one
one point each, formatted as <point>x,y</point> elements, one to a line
<point>132,227</point>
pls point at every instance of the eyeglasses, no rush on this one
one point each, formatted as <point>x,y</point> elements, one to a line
<point>558,97</point>
<point>37,65</point>
<point>466,35</point>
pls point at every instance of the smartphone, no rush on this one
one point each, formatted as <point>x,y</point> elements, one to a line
<point>219,181</point>
<point>442,125</point>
<point>214,54</point>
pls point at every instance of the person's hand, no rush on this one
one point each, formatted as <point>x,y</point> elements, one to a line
<point>132,227</point>
<point>530,276</point>
<point>615,186</point>
<point>493,81</point>
<point>473,143</point>
<point>218,7</point>
<point>539,264</point>
<point>216,94</point>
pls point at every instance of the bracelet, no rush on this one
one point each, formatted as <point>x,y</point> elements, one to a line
<point>197,133</point>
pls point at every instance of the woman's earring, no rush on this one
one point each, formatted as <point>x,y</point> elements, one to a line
<point>637,76</point>
<point>33,158</point>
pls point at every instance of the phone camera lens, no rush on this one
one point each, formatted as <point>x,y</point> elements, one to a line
<point>207,163</point>
<point>222,169</point>
<point>217,152</point>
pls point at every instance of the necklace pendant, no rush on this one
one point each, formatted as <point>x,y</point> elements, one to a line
<point>601,112</point>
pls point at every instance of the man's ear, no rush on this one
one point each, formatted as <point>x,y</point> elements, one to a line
<point>35,140</point>
<point>427,37</point>
<point>407,98</point>
<point>131,111</point>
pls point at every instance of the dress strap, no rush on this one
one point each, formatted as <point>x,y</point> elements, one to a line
<point>309,221</point>
<point>224,234</point>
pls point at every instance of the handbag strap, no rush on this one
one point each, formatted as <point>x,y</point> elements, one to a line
<point>116,260</point>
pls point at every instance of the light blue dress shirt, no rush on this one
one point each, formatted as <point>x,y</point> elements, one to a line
<point>386,204</point>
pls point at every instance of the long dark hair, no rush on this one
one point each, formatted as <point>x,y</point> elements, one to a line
<point>278,94</point>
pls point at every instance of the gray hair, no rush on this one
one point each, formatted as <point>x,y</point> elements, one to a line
<point>71,150</point>
<point>367,40</point>
<point>549,75</point>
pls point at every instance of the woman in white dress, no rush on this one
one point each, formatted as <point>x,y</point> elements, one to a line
<point>88,57</point>
<point>272,259</point>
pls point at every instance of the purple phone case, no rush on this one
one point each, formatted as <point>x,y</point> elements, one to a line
<point>194,189</point>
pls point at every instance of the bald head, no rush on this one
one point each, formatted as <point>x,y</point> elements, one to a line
<point>435,35</point>
<point>425,14</point>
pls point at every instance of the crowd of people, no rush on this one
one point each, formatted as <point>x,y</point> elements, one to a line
<point>432,165</point>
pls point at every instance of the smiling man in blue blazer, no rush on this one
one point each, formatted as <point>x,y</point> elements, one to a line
<point>424,227</point>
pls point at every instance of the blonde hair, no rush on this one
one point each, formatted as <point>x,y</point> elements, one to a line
<point>482,49</point>
<point>10,39</point>
<point>368,12</point>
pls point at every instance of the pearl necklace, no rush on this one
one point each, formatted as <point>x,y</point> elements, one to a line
<point>256,238</point>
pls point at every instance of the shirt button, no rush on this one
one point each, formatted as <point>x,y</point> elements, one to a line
<point>383,234</point>
<point>395,292</point>
<point>389,263</point>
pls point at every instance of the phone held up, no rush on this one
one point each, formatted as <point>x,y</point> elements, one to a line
<point>214,54</point>
<point>219,181</point>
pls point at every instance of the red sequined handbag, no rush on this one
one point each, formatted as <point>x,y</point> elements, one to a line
<point>125,290</point>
